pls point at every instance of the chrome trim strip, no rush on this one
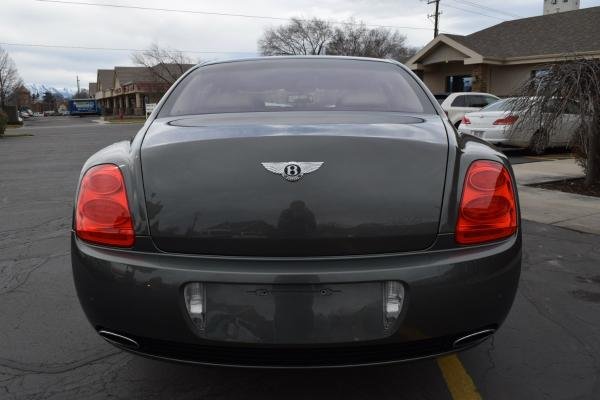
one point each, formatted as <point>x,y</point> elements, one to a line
<point>118,340</point>
<point>483,333</point>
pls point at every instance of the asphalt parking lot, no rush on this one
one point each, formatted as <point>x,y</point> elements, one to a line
<point>549,347</point>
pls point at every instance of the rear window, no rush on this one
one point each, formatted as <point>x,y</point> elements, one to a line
<point>480,101</point>
<point>297,85</point>
<point>459,101</point>
<point>501,105</point>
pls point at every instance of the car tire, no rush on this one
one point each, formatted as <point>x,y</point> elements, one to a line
<point>538,142</point>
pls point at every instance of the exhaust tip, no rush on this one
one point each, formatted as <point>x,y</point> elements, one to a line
<point>474,337</point>
<point>119,340</point>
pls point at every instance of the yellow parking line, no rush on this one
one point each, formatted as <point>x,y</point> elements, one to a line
<point>457,379</point>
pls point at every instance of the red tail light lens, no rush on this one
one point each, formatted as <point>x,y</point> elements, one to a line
<point>102,213</point>
<point>488,209</point>
<point>511,119</point>
<point>465,120</point>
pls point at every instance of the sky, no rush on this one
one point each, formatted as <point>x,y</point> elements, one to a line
<point>207,37</point>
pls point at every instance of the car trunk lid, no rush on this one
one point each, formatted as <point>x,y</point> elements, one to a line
<point>379,189</point>
<point>485,119</point>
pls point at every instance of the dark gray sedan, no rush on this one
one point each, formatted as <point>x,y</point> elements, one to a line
<point>297,212</point>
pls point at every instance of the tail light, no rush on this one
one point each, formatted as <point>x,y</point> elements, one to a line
<point>511,119</point>
<point>102,212</point>
<point>488,209</point>
<point>465,120</point>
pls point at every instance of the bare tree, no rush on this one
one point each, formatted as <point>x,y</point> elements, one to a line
<point>316,36</point>
<point>568,87</point>
<point>9,77</point>
<point>299,37</point>
<point>355,39</point>
<point>49,101</point>
<point>166,65</point>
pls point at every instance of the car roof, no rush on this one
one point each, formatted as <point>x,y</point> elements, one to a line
<point>472,93</point>
<point>300,57</point>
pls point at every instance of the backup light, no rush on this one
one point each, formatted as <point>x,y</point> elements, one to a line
<point>488,209</point>
<point>195,302</point>
<point>102,212</point>
<point>393,293</point>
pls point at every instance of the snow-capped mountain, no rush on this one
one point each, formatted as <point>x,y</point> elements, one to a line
<point>40,89</point>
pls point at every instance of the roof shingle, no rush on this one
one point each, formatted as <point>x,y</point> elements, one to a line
<point>568,32</point>
<point>105,79</point>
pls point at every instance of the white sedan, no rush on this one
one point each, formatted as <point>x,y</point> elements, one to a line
<point>498,124</point>
<point>457,104</point>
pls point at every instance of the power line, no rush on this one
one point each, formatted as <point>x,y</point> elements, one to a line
<point>470,11</point>
<point>52,46</point>
<point>478,5</point>
<point>222,14</point>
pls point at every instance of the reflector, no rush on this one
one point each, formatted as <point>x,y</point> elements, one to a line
<point>393,301</point>
<point>195,301</point>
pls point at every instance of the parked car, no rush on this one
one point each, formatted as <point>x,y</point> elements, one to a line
<point>26,113</point>
<point>456,105</point>
<point>294,212</point>
<point>38,114</point>
<point>499,124</point>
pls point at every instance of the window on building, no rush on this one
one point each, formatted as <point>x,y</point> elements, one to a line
<point>459,83</point>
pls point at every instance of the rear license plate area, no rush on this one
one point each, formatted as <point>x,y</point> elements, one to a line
<point>294,314</point>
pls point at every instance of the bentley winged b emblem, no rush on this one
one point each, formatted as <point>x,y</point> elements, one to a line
<point>292,171</point>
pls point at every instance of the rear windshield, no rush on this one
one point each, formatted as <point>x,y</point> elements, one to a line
<point>501,105</point>
<point>297,85</point>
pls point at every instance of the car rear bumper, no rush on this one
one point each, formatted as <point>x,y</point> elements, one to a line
<point>450,294</point>
<point>495,135</point>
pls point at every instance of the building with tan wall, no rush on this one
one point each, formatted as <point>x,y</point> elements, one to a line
<point>500,58</point>
<point>127,90</point>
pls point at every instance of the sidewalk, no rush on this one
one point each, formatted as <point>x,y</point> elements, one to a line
<point>567,210</point>
<point>547,171</point>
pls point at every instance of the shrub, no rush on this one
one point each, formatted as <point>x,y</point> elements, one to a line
<point>568,87</point>
<point>3,122</point>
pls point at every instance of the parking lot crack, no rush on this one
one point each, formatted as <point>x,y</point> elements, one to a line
<point>44,368</point>
<point>490,356</point>
<point>586,349</point>
<point>27,275</point>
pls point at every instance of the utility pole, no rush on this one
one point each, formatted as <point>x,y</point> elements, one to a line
<point>78,90</point>
<point>436,30</point>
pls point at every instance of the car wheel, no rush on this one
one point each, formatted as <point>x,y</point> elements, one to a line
<point>539,142</point>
